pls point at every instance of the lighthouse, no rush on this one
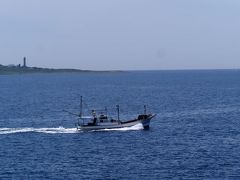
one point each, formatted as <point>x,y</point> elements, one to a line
<point>24,62</point>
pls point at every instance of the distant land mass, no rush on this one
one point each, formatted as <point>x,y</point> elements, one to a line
<point>18,69</point>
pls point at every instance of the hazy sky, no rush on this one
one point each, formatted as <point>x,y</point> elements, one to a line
<point>121,34</point>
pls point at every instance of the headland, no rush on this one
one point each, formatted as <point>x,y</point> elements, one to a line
<point>24,69</point>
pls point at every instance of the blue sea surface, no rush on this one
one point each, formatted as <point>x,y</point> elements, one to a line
<point>196,134</point>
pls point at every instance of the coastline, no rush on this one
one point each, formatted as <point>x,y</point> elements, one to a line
<point>8,70</point>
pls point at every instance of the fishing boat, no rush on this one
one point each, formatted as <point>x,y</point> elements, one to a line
<point>102,121</point>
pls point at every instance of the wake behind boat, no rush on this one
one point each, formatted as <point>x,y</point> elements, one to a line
<point>102,121</point>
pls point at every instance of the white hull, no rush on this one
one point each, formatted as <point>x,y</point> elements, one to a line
<point>114,125</point>
<point>107,126</point>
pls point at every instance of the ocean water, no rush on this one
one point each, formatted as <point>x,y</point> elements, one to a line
<point>196,134</point>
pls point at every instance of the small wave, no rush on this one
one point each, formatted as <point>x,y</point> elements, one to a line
<point>59,130</point>
<point>196,112</point>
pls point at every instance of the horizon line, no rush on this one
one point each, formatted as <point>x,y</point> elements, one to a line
<point>174,69</point>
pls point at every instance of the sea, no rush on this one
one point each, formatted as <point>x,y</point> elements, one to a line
<point>195,135</point>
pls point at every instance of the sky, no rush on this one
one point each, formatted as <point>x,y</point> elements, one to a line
<point>121,34</point>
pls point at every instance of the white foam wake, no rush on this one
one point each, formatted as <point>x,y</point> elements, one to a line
<point>38,130</point>
<point>61,130</point>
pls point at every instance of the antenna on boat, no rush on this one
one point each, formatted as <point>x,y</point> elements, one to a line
<point>81,106</point>
<point>145,109</point>
<point>118,112</point>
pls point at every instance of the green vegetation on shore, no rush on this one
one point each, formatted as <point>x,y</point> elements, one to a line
<point>23,70</point>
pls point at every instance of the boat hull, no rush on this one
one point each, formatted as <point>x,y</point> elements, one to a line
<point>115,125</point>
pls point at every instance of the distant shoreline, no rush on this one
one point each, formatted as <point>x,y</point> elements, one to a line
<point>12,69</point>
<point>7,70</point>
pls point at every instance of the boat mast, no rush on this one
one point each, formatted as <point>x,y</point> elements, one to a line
<point>118,112</point>
<point>106,111</point>
<point>145,109</point>
<point>81,106</point>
